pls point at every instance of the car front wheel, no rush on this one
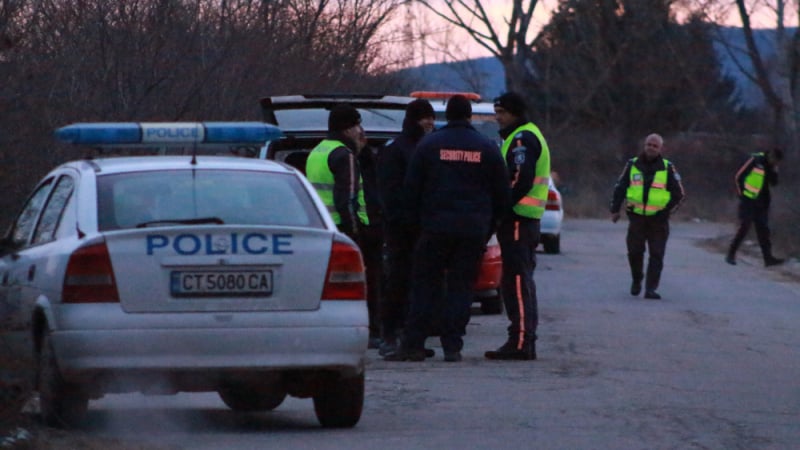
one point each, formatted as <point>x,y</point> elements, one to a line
<point>340,403</point>
<point>240,398</point>
<point>60,403</point>
<point>551,243</point>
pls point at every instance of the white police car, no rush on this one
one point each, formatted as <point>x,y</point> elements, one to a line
<point>162,274</point>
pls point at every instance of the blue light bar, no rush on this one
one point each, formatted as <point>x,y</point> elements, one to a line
<point>131,133</point>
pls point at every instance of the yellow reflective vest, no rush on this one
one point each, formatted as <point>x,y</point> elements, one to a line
<point>533,203</point>
<point>319,174</point>
<point>754,181</point>
<point>657,197</point>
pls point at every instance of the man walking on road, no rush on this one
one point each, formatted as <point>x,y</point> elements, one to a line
<point>752,184</point>
<point>652,189</point>
<point>457,188</point>
<point>527,158</point>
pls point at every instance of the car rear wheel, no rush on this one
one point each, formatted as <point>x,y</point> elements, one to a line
<point>340,403</point>
<point>493,304</point>
<point>551,243</point>
<point>240,398</point>
<point>60,403</point>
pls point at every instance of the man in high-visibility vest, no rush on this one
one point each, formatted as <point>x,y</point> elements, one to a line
<point>527,157</point>
<point>333,168</point>
<point>753,180</point>
<point>652,189</point>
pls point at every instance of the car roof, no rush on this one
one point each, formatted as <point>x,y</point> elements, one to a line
<point>124,164</point>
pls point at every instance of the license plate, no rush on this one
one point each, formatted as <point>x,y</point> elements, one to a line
<point>221,283</point>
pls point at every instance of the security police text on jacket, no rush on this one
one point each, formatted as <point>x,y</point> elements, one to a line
<point>460,171</point>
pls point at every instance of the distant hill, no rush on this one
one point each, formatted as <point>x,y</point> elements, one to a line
<point>490,75</point>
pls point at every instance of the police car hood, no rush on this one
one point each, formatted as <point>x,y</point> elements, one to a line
<point>219,268</point>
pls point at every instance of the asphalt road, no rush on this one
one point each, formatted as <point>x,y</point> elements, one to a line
<point>715,364</point>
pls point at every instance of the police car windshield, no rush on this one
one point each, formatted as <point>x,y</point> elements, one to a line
<point>232,197</point>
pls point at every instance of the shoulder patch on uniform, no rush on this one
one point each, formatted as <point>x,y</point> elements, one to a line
<point>519,155</point>
<point>677,175</point>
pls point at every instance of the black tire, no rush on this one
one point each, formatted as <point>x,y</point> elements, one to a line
<point>238,398</point>
<point>552,243</point>
<point>492,305</point>
<point>340,403</point>
<point>61,404</point>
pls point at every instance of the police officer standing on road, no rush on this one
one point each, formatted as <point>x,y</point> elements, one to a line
<point>528,159</point>
<point>332,167</point>
<point>753,180</point>
<point>457,187</point>
<point>652,189</point>
<point>400,232</point>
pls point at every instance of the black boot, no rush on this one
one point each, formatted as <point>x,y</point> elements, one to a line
<point>509,351</point>
<point>772,261</point>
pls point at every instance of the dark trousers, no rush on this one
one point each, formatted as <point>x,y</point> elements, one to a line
<point>442,259</point>
<point>518,241</point>
<point>651,233</point>
<point>753,213</point>
<point>370,241</point>
<point>398,262</point>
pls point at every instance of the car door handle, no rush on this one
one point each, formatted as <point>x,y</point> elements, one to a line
<point>31,272</point>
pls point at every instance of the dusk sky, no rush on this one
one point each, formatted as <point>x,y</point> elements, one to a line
<point>500,9</point>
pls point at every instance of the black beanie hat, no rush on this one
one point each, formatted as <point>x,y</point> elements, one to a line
<point>458,108</point>
<point>343,117</point>
<point>419,109</point>
<point>512,102</point>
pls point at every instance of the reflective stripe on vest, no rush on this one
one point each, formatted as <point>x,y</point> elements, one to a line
<point>321,177</point>
<point>754,181</point>
<point>657,197</point>
<point>533,203</point>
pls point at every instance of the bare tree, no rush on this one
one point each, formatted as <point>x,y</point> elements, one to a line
<point>514,50</point>
<point>777,75</point>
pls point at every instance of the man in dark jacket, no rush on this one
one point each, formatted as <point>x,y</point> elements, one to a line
<point>753,180</point>
<point>457,188</point>
<point>400,232</point>
<point>652,189</point>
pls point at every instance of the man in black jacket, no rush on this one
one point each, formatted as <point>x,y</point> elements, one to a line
<point>652,189</point>
<point>400,232</point>
<point>457,188</point>
<point>753,180</point>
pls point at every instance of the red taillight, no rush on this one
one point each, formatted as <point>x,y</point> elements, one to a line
<point>553,201</point>
<point>345,278</point>
<point>90,276</point>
